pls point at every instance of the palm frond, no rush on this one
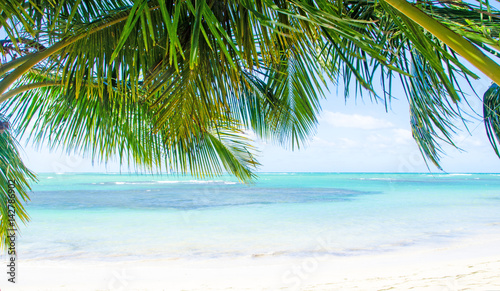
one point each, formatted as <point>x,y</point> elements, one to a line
<point>14,186</point>
<point>491,113</point>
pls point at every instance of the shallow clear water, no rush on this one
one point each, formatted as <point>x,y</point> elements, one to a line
<point>136,217</point>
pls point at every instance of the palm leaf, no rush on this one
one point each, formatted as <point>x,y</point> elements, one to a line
<point>14,186</point>
<point>491,111</point>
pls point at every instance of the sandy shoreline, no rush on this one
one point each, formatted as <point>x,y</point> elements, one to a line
<point>473,264</point>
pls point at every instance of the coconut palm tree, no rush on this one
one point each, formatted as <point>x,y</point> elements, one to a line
<point>175,84</point>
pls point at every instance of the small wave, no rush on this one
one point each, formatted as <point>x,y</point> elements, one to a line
<point>204,182</point>
<point>374,179</point>
<point>198,182</point>
<point>135,183</point>
<point>168,182</point>
<point>192,182</point>
<point>173,182</point>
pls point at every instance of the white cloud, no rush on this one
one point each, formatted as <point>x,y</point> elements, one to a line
<point>348,143</point>
<point>402,136</point>
<point>338,119</point>
<point>465,140</point>
<point>390,139</point>
<point>321,142</point>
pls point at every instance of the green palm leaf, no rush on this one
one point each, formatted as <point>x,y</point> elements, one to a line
<point>491,111</point>
<point>14,187</point>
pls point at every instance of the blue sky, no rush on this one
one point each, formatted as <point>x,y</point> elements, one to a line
<point>360,136</point>
<point>352,136</point>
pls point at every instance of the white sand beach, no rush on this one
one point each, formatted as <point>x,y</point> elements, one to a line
<point>473,264</point>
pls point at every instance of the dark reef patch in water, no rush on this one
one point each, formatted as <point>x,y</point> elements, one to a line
<point>186,197</point>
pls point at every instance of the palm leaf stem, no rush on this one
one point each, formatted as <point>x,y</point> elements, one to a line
<point>459,44</point>
<point>27,87</point>
<point>37,57</point>
<point>13,64</point>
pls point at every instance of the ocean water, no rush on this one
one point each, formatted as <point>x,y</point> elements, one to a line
<point>115,217</point>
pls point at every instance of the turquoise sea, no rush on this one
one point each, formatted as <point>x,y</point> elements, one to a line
<point>117,217</point>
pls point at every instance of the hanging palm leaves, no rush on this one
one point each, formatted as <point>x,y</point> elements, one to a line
<point>491,112</point>
<point>14,186</point>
